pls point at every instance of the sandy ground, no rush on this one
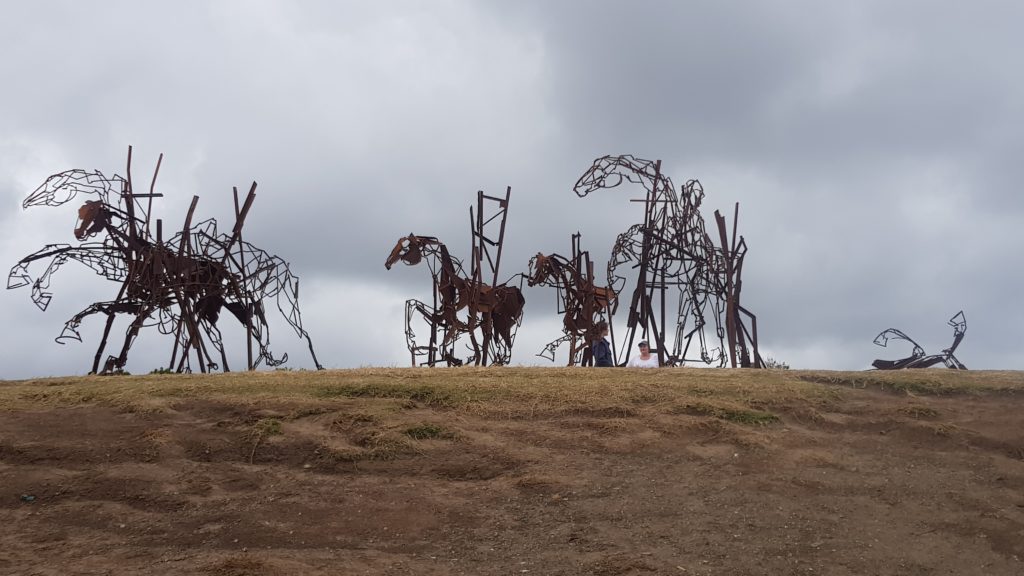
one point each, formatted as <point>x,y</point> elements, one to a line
<point>881,483</point>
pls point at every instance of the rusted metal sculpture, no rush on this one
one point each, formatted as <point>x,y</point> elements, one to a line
<point>495,310</point>
<point>672,249</point>
<point>581,303</point>
<point>181,285</point>
<point>918,358</point>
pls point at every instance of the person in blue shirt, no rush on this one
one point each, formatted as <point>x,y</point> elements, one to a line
<point>602,350</point>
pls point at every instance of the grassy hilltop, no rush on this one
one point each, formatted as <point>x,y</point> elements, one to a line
<point>549,391</point>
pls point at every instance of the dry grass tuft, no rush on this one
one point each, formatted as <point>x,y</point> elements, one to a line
<point>428,431</point>
<point>729,413</point>
<point>383,445</point>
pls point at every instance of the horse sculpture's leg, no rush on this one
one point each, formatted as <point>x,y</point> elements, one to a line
<point>177,342</point>
<point>290,287</point>
<point>507,315</point>
<point>476,347</point>
<point>218,343</point>
<point>103,343</point>
<point>106,330</point>
<point>312,353</point>
<point>487,331</point>
<point>111,309</point>
<point>194,340</point>
<point>412,307</point>
<point>588,356</point>
<point>117,363</point>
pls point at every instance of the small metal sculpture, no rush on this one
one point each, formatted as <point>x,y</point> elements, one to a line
<point>671,248</point>
<point>918,358</point>
<point>581,303</point>
<point>185,281</point>
<point>496,309</point>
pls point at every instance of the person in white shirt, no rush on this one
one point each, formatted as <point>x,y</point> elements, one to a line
<point>645,359</point>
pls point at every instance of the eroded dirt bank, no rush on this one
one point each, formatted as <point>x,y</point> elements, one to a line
<point>869,483</point>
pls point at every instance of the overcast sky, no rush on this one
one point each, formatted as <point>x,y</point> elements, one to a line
<point>874,147</point>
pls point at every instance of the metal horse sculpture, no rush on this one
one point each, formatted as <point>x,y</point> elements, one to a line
<point>496,309</point>
<point>918,358</point>
<point>184,282</point>
<point>580,302</point>
<point>451,294</point>
<point>671,248</point>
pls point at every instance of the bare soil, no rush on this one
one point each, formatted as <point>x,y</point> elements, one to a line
<point>872,482</point>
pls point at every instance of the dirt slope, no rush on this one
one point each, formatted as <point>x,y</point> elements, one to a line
<point>514,471</point>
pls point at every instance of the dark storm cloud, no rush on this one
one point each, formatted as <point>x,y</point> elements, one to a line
<point>872,146</point>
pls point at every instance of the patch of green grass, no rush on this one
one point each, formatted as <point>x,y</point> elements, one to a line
<point>745,416</point>
<point>267,427</point>
<point>923,386</point>
<point>261,429</point>
<point>434,396</point>
<point>330,456</point>
<point>427,431</point>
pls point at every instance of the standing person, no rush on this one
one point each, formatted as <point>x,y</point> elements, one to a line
<point>645,359</point>
<point>602,350</point>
